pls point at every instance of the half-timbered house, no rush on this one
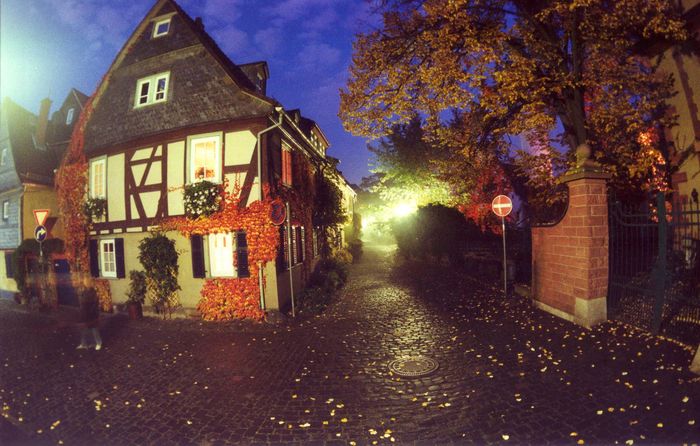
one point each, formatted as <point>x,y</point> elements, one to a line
<point>174,110</point>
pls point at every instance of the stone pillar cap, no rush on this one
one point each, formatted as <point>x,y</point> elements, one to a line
<point>586,167</point>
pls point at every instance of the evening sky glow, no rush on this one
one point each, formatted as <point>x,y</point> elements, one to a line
<point>49,46</point>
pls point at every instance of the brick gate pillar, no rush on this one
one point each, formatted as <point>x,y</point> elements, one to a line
<point>570,259</point>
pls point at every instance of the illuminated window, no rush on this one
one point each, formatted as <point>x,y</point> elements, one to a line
<point>69,116</point>
<point>286,166</point>
<point>161,27</point>
<point>98,178</point>
<point>221,255</point>
<point>108,258</point>
<point>205,158</point>
<point>152,89</point>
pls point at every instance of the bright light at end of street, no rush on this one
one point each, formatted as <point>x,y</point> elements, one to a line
<point>404,209</point>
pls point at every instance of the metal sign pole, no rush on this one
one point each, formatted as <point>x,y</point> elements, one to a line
<point>505,264</point>
<point>289,257</point>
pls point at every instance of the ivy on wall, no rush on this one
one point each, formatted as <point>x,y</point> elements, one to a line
<point>223,298</point>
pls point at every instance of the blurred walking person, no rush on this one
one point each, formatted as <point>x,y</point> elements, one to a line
<point>89,315</point>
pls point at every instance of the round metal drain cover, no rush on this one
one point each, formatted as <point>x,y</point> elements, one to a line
<point>413,366</point>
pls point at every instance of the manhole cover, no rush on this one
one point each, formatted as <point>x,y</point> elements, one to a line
<point>413,366</point>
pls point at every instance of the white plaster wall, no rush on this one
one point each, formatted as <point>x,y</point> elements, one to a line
<point>115,188</point>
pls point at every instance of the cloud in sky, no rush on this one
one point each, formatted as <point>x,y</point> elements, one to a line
<point>223,11</point>
<point>105,25</point>
<point>233,41</point>
<point>318,54</point>
<point>290,10</point>
<point>268,40</point>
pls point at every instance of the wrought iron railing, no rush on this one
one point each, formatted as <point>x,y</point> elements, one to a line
<point>654,276</point>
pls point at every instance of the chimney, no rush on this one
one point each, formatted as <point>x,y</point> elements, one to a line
<point>199,23</point>
<point>43,124</point>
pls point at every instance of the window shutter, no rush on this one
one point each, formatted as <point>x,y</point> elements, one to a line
<point>197,248</point>
<point>282,250</point>
<point>242,254</point>
<point>303,244</point>
<point>119,256</point>
<point>9,266</point>
<point>294,245</point>
<point>94,259</point>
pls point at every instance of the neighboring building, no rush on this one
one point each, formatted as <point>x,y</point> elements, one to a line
<point>30,149</point>
<point>172,110</point>
<point>349,203</point>
<point>686,103</point>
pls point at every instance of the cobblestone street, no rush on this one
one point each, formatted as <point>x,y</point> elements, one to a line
<point>508,374</point>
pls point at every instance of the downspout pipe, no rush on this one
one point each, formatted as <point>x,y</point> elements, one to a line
<point>258,148</point>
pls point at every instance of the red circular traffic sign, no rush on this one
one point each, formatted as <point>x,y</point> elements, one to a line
<point>278,212</point>
<point>501,205</point>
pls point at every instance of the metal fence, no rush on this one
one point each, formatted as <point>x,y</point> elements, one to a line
<point>654,273</point>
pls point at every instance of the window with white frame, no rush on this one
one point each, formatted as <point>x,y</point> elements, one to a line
<point>69,116</point>
<point>98,178</point>
<point>161,27</point>
<point>108,258</point>
<point>5,210</point>
<point>152,89</point>
<point>221,255</point>
<point>205,158</point>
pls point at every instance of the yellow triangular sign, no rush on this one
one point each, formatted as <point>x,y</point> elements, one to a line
<point>40,216</point>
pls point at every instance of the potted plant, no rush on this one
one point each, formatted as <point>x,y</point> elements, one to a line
<point>136,294</point>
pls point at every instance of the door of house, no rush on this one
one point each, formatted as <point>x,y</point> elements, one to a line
<point>654,273</point>
<point>64,287</point>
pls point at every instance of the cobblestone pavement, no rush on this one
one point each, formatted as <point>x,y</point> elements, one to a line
<point>508,374</point>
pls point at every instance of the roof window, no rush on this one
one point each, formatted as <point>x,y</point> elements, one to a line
<point>161,27</point>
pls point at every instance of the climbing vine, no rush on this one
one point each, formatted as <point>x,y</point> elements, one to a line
<point>226,299</point>
<point>71,186</point>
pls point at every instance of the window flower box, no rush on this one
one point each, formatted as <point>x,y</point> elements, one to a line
<point>202,198</point>
<point>95,208</point>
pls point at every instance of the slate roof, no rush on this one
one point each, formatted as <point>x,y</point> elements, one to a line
<point>205,86</point>
<point>33,165</point>
<point>36,164</point>
<point>58,130</point>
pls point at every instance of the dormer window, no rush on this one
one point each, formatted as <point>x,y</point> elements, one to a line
<point>151,90</point>
<point>161,28</point>
<point>69,116</point>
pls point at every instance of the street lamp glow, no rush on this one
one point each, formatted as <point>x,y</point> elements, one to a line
<point>404,209</point>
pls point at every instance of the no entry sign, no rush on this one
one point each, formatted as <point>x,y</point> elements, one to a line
<point>501,205</point>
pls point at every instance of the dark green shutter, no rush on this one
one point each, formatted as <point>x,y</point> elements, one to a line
<point>9,265</point>
<point>282,251</point>
<point>197,248</point>
<point>119,256</point>
<point>242,254</point>
<point>94,259</point>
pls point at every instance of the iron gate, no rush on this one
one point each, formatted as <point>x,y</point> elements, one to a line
<point>654,272</point>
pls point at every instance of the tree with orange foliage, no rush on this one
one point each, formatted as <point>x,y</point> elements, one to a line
<point>517,67</point>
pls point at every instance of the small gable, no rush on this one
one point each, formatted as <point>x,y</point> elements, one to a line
<point>32,164</point>
<point>178,36</point>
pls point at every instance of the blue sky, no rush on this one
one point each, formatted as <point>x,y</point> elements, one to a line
<point>49,46</point>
